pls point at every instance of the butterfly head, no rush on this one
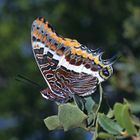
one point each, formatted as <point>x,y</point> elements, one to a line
<point>106,72</point>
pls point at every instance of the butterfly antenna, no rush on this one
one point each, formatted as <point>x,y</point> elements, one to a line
<point>25,80</point>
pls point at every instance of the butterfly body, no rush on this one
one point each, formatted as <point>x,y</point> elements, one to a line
<point>67,66</point>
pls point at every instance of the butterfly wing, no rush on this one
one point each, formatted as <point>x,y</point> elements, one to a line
<point>67,66</point>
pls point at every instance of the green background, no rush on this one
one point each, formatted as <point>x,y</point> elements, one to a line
<point>111,25</point>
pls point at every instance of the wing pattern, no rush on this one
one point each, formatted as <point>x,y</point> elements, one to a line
<point>67,66</point>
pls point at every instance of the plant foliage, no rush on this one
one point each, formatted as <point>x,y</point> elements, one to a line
<point>120,124</point>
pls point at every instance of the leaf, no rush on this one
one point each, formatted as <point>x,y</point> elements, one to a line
<point>136,121</point>
<point>109,125</point>
<point>79,101</point>
<point>89,107</point>
<point>89,104</point>
<point>123,117</point>
<point>92,105</point>
<point>118,110</point>
<point>110,113</point>
<point>70,116</point>
<point>127,121</point>
<point>52,122</point>
<point>104,135</point>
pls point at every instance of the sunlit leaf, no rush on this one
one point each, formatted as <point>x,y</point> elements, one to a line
<point>118,113</point>
<point>109,125</point>
<point>104,135</point>
<point>52,122</point>
<point>128,121</point>
<point>70,116</point>
<point>136,121</point>
<point>123,117</point>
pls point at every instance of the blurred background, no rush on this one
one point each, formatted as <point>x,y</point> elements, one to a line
<point>113,26</point>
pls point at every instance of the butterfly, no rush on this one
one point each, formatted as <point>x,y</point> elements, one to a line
<point>68,67</point>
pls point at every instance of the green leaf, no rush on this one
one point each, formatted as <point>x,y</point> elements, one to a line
<point>136,121</point>
<point>127,121</point>
<point>118,110</point>
<point>104,135</point>
<point>123,117</point>
<point>52,122</point>
<point>70,116</point>
<point>109,125</point>
<point>89,104</point>
<point>110,113</point>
